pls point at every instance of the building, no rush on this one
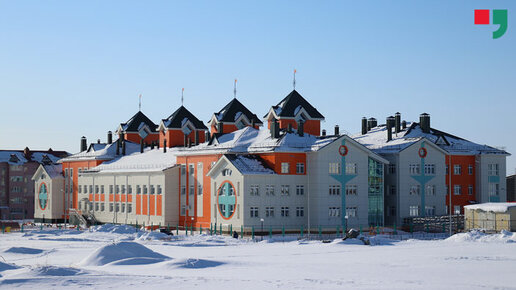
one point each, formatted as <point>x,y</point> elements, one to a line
<point>418,178</point>
<point>491,216</point>
<point>511,188</point>
<point>49,198</point>
<point>16,186</point>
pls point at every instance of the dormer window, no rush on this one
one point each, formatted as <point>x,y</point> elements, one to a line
<point>226,172</point>
<point>240,124</point>
<point>14,158</point>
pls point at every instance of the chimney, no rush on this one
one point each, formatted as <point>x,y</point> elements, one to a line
<point>324,132</point>
<point>397,122</point>
<point>289,128</point>
<point>165,146</point>
<point>109,137</point>
<point>424,122</point>
<point>118,147</point>
<point>98,141</point>
<point>300,128</point>
<point>196,136</point>
<point>371,123</point>
<point>220,128</point>
<point>185,140</point>
<point>141,145</point>
<point>123,147</point>
<point>337,133</point>
<point>389,123</point>
<point>84,145</point>
<point>274,128</point>
<point>404,124</point>
<point>364,126</point>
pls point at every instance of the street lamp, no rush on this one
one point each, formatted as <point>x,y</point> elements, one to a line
<point>191,224</point>
<point>346,217</point>
<point>262,227</point>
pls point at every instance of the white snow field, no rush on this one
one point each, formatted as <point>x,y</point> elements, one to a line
<point>116,257</point>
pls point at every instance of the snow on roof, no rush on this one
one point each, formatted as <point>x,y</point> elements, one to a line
<point>106,152</point>
<point>251,140</point>
<point>249,164</point>
<point>54,170</point>
<point>17,157</point>
<point>7,156</point>
<point>492,206</point>
<point>149,160</point>
<point>376,140</point>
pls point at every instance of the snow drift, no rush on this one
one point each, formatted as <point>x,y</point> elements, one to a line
<point>479,236</point>
<point>123,253</point>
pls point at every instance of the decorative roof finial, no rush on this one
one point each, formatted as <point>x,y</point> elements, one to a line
<point>140,103</point>
<point>182,99</point>
<point>294,82</point>
<point>234,89</point>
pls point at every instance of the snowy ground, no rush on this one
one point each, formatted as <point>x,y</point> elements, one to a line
<point>117,257</point>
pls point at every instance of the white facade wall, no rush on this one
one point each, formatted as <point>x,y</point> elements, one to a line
<point>484,177</point>
<point>55,207</point>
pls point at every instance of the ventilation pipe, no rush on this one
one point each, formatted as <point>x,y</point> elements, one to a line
<point>118,147</point>
<point>424,122</point>
<point>324,132</point>
<point>141,145</point>
<point>109,137</point>
<point>165,146</point>
<point>389,124</point>
<point>84,145</point>
<point>289,128</point>
<point>364,126</point>
<point>300,128</point>
<point>337,133</point>
<point>274,128</point>
<point>371,123</point>
<point>397,122</point>
<point>123,147</point>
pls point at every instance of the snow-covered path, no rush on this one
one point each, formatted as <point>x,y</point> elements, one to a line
<point>128,260</point>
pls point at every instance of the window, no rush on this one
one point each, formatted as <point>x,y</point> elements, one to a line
<point>456,209</point>
<point>183,210</point>
<point>96,189</point>
<point>129,207</point>
<point>493,189</point>
<point>269,211</point>
<point>300,168</point>
<point>430,190</point>
<point>152,189</point>
<point>199,189</point>
<point>334,211</point>
<point>414,169</point>
<point>102,207</point>
<point>91,188</point>
<point>334,168</point>
<point>102,189</point>
<point>284,167</point>
<point>414,210</point>
<point>96,206</point>
<point>351,168</point>
<point>117,207</point>
<point>199,169</point>
<point>334,190</point>
<point>183,190</point>
<point>191,169</point>
<point>492,169</point>
<point>457,189</point>
<point>470,189</point>
<point>269,189</point>
<point>138,189</point>
<point>253,212</point>
<point>117,189</point>
<point>183,169</point>
<point>457,169</point>
<point>255,190</point>
<point>351,189</point>
<point>80,189</point>
<point>391,211</point>
<point>392,168</point>
<point>85,188</point>
<point>430,210</point>
<point>123,207</point>
<point>192,190</point>
<point>129,189</point>
<point>430,169</point>
<point>111,207</point>
<point>284,211</point>
<point>111,188</point>
<point>300,189</point>
<point>285,190</point>
<point>123,189</point>
<point>470,169</point>
<point>393,189</point>
<point>300,211</point>
<point>414,190</point>
<point>145,189</point>
<point>351,212</point>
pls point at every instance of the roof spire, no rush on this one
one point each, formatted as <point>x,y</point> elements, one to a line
<point>140,103</point>
<point>234,89</point>
<point>182,99</point>
<point>294,82</point>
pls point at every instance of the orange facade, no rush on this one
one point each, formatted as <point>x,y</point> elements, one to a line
<point>274,161</point>
<point>206,161</point>
<point>73,166</point>
<point>135,137</point>
<point>312,127</point>
<point>465,180</point>
<point>227,128</point>
<point>176,138</point>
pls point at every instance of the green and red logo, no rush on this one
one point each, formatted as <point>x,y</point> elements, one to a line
<point>482,17</point>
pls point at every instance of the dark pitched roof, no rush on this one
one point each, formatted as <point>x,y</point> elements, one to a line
<point>289,106</point>
<point>230,111</point>
<point>175,121</point>
<point>133,125</point>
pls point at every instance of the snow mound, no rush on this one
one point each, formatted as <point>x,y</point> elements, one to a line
<point>147,236</point>
<point>123,253</point>
<point>114,229</point>
<point>24,250</point>
<point>5,267</point>
<point>479,236</point>
<point>196,264</point>
<point>57,271</point>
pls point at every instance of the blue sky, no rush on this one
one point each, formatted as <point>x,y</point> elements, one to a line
<point>74,68</point>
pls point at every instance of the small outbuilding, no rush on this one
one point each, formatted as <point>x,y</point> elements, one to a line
<point>491,216</point>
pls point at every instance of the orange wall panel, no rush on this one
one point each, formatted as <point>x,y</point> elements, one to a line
<point>152,206</point>
<point>159,205</point>
<point>138,204</point>
<point>464,180</point>
<point>102,197</point>
<point>145,206</point>
<point>312,127</point>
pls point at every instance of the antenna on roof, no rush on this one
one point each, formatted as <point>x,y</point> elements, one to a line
<point>182,99</point>
<point>234,89</point>
<point>140,103</point>
<point>294,82</point>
